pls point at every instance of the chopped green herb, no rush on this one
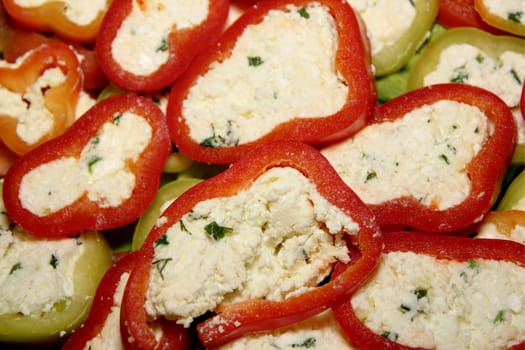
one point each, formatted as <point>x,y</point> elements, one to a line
<point>163,45</point>
<point>420,293</point>
<point>473,264</point>
<point>500,316</point>
<point>254,61</point>
<point>515,16</point>
<point>390,335</point>
<point>163,240</point>
<point>15,267</point>
<point>404,308</point>
<point>308,343</point>
<point>460,75</point>
<point>116,118</point>
<point>92,162</point>
<point>95,140</point>
<point>183,227</point>
<point>305,255</point>
<point>216,231</point>
<point>304,12</point>
<point>444,158</point>
<point>371,174</point>
<point>452,148</point>
<point>412,3</point>
<point>161,265</point>
<point>480,58</point>
<point>53,261</point>
<point>515,76</point>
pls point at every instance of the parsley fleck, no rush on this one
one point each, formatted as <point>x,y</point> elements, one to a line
<point>420,293</point>
<point>515,76</point>
<point>412,3</point>
<point>116,118</point>
<point>500,317</point>
<point>444,158</point>
<point>460,75</point>
<point>163,45</point>
<point>216,231</point>
<point>305,255</point>
<point>92,162</point>
<point>370,175</point>
<point>53,261</point>
<point>161,265</point>
<point>254,61</point>
<point>308,343</point>
<point>15,267</point>
<point>390,335</point>
<point>183,227</point>
<point>304,12</point>
<point>515,16</point>
<point>163,240</point>
<point>473,264</point>
<point>404,308</point>
<point>95,140</point>
<point>480,58</point>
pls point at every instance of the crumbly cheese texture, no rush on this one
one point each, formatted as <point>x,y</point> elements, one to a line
<point>420,301</point>
<point>280,69</point>
<point>109,336</point>
<point>36,275</point>
<point>321,332</point>
<point>141,43</point>
<point>279,238</point>
<point>509,10</point>
<point>386,20</point>
<point>465,63</point>
<point>35,121</point>
<point>101,171</point>
<point>423,155</point>
<point>80,12</point>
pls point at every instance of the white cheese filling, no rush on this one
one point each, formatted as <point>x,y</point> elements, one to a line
<point>80,12</point>
<point>321,332</point>
<point>141,43</point>
<point>423,155</point>
<point>421,301</point>
<point>273,240</point>
<point>36,275</point>
<point>513,231</point>
<point>509,10</point>
<point>101,171</point>
<point>386,20</point>
<point>465,63</point>
<point>35,121</point>
<point>280,69</point>
<point>109,337</point>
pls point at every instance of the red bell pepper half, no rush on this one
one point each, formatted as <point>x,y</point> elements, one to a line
<point>60,98</point>
<point>267,78</point>
<point>446,249</point>
<point>484,171</point>
<point>101,174</point>
<point>253,315</point>
<point>177,44</point>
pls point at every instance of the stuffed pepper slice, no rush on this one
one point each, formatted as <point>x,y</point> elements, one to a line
<point>78,21</point>
<point>431,159</point>
<point>146,45</point>
<point>102,173</point>
<point>285,70</point>
<point>462,13</point>
<point>440,292</point>
<point>40,92</point>
<point>47,285</point>
<point>254,245</point>
<point>396,29</point>
<point>508,16</point>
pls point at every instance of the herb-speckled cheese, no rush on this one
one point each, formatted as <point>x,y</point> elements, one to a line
<point>34,119</point>
<point>279,69</point>
<point>421,301</point>
<point>36,275</point>
<point>423,154</point>
<point>275,239</point>
<point>80,12</point>
<point>141,43</point>
<point>321,332</point>
<point>465,63</point>
<point>109,336</point>
<point>509,10</point>
<point>100,171</point>
<point>386,20</point>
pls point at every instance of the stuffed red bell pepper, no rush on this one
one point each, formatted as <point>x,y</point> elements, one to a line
<point>101,330</point>
<point>102,173</point>
<point>252,245</point>
<point>508,16</point>
<point>462,13</point>
<point>75,20</point>
<point>285,70</point>
<point>145,46</point>
<point>432,159</point>
<point>40,94</point>
<point>440,292</point>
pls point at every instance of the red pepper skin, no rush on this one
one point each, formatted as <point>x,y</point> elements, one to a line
<point>51,17</point>
<point>183,45</point>
<point>353,62</point>
<point>462,13</point>
<point>61,100</point>
<point>84,213</point>
<point>259,315</point>
<point>440,246</point>
<point>486,170</point>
